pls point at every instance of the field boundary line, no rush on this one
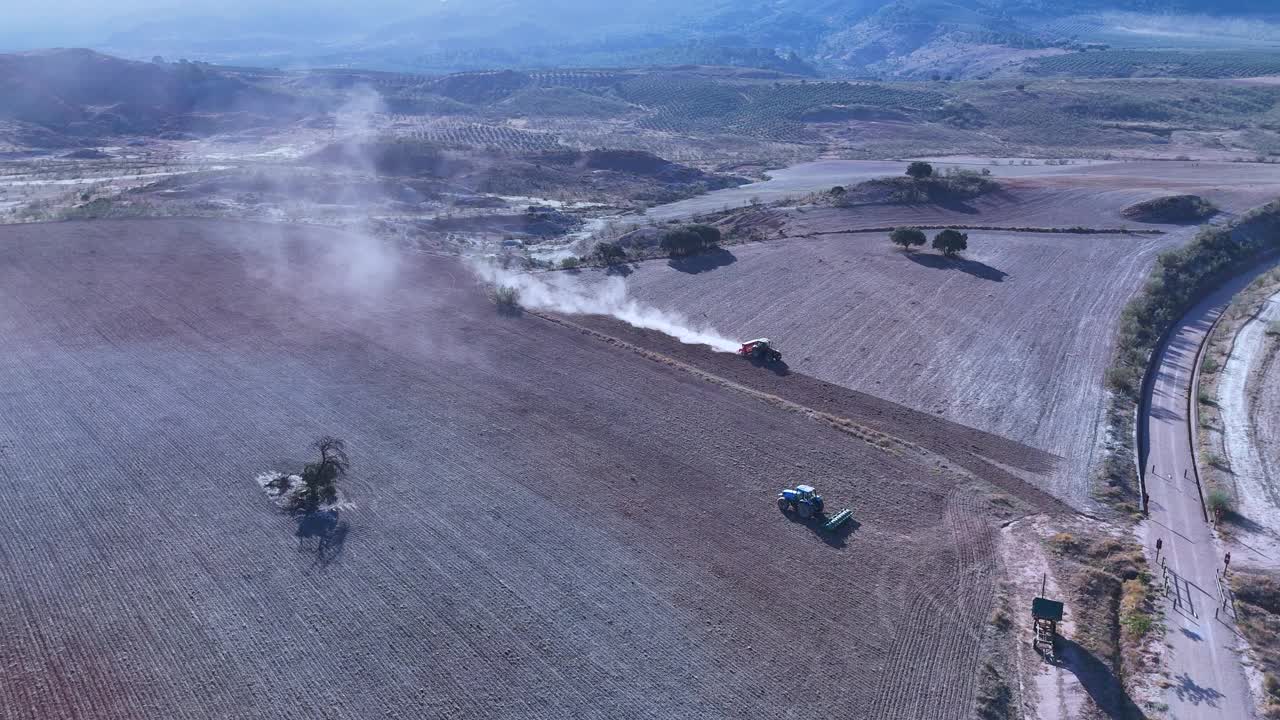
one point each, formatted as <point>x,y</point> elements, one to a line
<point>882,440</point>
<point>988,228</point>
<point>659,255</point>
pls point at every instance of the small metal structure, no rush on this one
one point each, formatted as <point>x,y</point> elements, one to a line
<point>1045,616</point>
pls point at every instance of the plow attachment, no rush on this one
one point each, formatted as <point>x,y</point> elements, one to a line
<point>837,520</point>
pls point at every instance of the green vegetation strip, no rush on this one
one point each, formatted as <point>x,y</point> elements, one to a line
<point>1181,278</point>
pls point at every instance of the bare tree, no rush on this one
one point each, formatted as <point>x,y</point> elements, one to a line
<point>320,479</point>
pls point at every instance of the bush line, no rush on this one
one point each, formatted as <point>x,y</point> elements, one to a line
<point>1181,278</point>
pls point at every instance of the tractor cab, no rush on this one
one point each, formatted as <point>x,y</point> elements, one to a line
<point>759,349</point>
<point>803,500</point>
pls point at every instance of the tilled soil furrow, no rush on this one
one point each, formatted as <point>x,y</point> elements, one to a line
<point>545,526</point>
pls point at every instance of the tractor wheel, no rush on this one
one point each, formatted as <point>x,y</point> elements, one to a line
<point>783,505</point>
<point>806,511</point>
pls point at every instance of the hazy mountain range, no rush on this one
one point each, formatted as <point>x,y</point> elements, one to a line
<point>837,37</point>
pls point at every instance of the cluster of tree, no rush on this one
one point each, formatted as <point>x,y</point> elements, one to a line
<point>949,242</point>
<point>689,240</point>
<point>1172,209</point>
<point>920,170</point>
<point>609,253</point>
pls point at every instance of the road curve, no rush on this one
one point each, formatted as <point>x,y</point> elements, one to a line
<point>1204,667</point>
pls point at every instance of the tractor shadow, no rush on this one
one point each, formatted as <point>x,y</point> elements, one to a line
<point>323,535</point>
<point>703,262</point>
<point>972,267</point>
<point>777,368</point>
<point>837,538</point>
<point>1098,681</point>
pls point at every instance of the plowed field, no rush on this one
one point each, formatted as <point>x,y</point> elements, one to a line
<point>1013,339</point>
<point>546,525</point>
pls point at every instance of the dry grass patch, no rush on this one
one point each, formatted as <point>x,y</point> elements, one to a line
<point>1258,605</point>
<point>1109,585</point>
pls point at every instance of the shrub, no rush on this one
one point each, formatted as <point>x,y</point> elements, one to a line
<point>609,253</point>
<point>506,297</point>
<point>1133,615</point>
<point>907,237</point>
<point>951,242</point>
<point>837,190</point>
<point>1138,624</point>
<point>1219,502</point>
<point>920,170</point>
<point>569,263</point>
<point>1210,364</point>
<point>689,240</point>
<point>1065,543</point>
<point>1172,209</point>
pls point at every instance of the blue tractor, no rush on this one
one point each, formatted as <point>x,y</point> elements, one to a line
<point>802,500</point>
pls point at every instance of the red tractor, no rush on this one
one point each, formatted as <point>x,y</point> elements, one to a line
<point>760,349</point>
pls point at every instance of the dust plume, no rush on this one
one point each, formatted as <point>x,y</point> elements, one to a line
<point>565,293</point>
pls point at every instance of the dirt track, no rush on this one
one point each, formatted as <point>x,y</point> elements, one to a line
<point>547,526</point>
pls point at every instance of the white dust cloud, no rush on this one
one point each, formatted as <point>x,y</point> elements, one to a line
<point>565,293</point>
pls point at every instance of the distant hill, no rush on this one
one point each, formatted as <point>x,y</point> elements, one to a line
<point>854,38</point>
<point>908,39</point>
<point>79,92</point>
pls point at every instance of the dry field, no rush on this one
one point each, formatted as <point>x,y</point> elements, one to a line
<point>1013,339</point>
<point>546,526</point>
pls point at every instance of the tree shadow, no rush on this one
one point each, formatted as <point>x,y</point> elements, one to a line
<point>621,269</point>
<point>955,204</point>
<point>1098,681</point>
<point>973,267</point>
<point>703,262</point>
<point>323,535</point>
<point>1243,522</point>
<point>1188,691</point>
<point>837,538</point>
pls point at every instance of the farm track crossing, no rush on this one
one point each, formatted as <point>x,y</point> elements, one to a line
<point>545,526</point>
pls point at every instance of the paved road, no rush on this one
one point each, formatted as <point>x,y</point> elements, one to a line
<point>1207,673</point>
